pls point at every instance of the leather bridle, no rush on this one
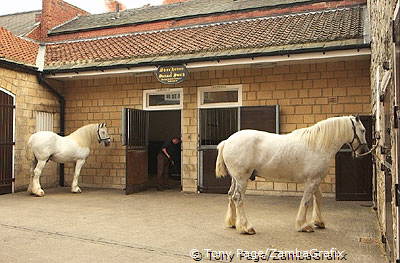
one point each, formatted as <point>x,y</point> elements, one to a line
<point>99,139</point>
<point>360,144</point>
<point>355,137</point>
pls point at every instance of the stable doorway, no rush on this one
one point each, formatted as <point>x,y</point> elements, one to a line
<point>163,126</point>
<point>144,133</point>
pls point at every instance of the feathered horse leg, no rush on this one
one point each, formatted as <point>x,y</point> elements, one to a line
<point>230,218</point>
<point>74,186</point>
<point>306,202</point>
<point>36,189</point>
<point>317,218</point>
<point>242,224</point>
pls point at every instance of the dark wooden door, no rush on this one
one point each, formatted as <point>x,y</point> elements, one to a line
<point>134,135</point>
<point>396,38</point>
<point>386,165</point>
<point>354,176</point>
<point>262,118</point>
<point>210,183</point>
<point>217,125</point>
<point>6,142</point>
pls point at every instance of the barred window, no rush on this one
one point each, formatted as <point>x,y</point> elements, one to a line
<point>44,121</point>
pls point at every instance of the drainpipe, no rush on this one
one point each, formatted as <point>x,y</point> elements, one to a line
<point>61,100</point>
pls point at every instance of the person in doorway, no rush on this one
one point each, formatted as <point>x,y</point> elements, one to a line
<point>168,155</point>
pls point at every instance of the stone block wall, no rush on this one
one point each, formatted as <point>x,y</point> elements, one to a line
<point>30,97</point>
<point>380,16</point>
<point>306,94</point>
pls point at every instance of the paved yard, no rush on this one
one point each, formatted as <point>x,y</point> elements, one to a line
<point>107,226</point>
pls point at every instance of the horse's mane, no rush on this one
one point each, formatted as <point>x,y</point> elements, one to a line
<point>84,135</point>
<point>322,134</point>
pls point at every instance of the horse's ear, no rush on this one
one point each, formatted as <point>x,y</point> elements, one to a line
<point>357,118</point>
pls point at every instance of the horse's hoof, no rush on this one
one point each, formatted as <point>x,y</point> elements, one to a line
<point>76,191</point>
<point>39,193</point>
<point>307,229</point>
<point>251,231</point>
<point>319,225</point>
<point>230,225</point>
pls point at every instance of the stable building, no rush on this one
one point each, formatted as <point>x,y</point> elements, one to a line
<point>385,85</point>
<point>26,106</point>
<point>275,66</point>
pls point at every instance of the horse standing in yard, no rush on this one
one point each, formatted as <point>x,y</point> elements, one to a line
<point>302,156</point>
<point>45,145</point>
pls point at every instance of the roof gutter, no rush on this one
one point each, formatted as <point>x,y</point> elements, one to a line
<point>8,64</point>
<point>224,60</point>
<point>61,100</point>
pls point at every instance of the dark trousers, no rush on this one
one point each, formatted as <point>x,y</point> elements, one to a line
<point>162,169</point>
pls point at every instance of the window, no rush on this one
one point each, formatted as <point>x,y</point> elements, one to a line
<point>44,121</point>
<point>162,99</point>
<point>220,96</point>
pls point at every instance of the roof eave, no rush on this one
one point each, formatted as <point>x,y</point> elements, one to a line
<point>230,55</point>
<point>13,65</point>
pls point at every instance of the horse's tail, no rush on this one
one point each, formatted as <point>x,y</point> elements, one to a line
<point>220,167</point>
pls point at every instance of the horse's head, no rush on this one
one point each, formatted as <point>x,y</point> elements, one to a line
<point>102,134</point>
<point>358,143</point>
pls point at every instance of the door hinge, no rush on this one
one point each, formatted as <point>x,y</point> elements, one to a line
<point>383,167</point>
<point>397,194</point>
<point>396,116</point>
<point>383,239</point>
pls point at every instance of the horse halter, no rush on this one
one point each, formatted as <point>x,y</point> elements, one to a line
<point>360,144</point>
<point>99,139</point>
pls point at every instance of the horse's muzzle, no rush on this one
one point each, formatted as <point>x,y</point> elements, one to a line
<point>107,142</point>
<point>363,149</point>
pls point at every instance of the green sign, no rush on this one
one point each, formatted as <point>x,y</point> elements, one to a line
<point>171,74</point>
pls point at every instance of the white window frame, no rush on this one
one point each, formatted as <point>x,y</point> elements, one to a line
<point>49,121</point>
<point>202,90</point>
<point>147,93</point>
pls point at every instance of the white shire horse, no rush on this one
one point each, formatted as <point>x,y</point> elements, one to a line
<point>301,156</point>
<point>45,145</point>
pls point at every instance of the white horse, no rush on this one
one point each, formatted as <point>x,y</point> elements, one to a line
<point>301,156</point>
<point>45,145</point>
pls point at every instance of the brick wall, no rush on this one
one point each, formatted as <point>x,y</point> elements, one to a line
<point>380,16</point>
<point>30,97</point>
<point>306,93</point>
<point>54,13</point>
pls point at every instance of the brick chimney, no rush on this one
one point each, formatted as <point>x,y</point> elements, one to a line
<point>166,2</point>
<point>114,6</point>
<point>54,13</point>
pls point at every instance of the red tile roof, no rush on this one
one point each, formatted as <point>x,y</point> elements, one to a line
<point>17,49</point>
<point>304,28</point>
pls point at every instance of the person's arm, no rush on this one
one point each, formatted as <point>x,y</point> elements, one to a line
<point>164,150</point>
